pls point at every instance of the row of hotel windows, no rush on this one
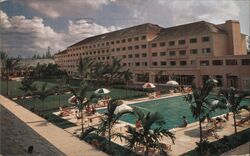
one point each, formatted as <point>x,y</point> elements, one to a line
<point>192,62</point>
<point>109,43</point>
<point>171,53</point>
<point>183,63</point>
<point>181,42</point>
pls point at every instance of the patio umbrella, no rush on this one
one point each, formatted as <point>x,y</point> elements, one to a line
<point>122,108</point>
<point>172,83</point>
<point>72,100</point>
<point>148,85</point>
<point>102,91</point>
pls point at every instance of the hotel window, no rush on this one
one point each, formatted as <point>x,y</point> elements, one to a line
<point>172,53</point>
<point>113,50</point>
<point>94,45</point>
<point>98,45</point>
<point>154,54</point>
<point>217,62</point>
<point>103,58</point>
<point>130,48</point>
<point>172,63</point>
<point>130,56</point>
<point>123,41</point>
<point>143,38</point>
<point>98,52</point>
<point>107,50</point>
<point>112,42</point>
<point>136,38</point>
<point>90,46</point>
<point>205,39</point>
<point>144,55</point>
<point>153,45</point>
<point>182,52</point>
<point>193,62</point>
<point>103,51</point>
<point>204,63</point>
<point>118,41</point>
<point>129,39</point>
<point>183,63</point>
<point>231,62</point>
<point>136,47</point>
<point>107,43</point>
<point>137,55</point>
<point>117,49</point>
<point>163,53</point>
<point>171,43</point>
<point>155,63</point>
<point>206,50</point>
<point>124,56</point>
<point>143,46</point>
<point>137,63</point>
<point>182,42</point>
<point>193,40</point>
<point>90,53</point>
<point>162,44</point>
<point>102,44</point>
<point>163,63</point>
<point>124,48</point>
<point>245,61</point>
<point>144,63</point>
<point>94,52</point>
<point>108,58</point>
<point>124,64</point>
<point>193,51</point>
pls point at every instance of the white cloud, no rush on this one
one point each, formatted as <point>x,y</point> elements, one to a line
<point>23,36</point>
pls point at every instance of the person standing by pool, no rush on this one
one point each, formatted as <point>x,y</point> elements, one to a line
<point>185,121</point>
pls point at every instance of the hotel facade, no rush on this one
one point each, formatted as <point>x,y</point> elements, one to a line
<point>188,53</point>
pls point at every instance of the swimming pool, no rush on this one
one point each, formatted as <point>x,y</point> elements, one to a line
<point>172,109</point>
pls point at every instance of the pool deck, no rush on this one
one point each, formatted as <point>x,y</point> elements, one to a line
<point>186,138</point>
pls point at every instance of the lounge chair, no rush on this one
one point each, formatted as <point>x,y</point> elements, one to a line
<point>166,147</point>
<point>210,132</point>
<point>242,121</point>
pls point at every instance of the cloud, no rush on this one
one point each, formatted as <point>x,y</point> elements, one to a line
<point>25,37</point>
<point>57,8</point>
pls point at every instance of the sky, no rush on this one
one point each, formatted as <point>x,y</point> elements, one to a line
<point>29,27</point>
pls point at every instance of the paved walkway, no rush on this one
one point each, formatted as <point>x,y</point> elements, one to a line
<point>62,140</point>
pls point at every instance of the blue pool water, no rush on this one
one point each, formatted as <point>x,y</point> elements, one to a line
<point>172,109</point>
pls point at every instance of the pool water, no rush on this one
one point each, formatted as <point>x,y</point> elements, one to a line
<point>172,109</point>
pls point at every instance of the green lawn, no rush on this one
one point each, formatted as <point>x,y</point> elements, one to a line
<point>14,90</point>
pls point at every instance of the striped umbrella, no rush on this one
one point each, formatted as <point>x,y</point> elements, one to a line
<point>102,91</point>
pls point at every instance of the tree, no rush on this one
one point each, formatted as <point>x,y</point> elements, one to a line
<point>98,72</point>
<point>148,135</point>
<point>81,99</point>
<point>43,92</point>
<point>110,119</point>
<point>201,103</point>
<point>27,85</point>
<point>232,98</point>
<point>127,76</point>
<point>10,64</point>
<point>60,88</point>
<point>114,69</point>
<point>84,66</point>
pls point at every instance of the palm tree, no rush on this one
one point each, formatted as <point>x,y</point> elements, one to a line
<point>151,132</point>
<point>114,69</point>
<point>60,88</point>
<point>27,85</point>
<point>110,119</point>
<point>127,76</point>
<point>232,98</point>
<point>43,92</point>
<point>201,104</point>
<point>99,70</point>
<point>81,99</point>
<point>84,66</point>
<point>7,65</point>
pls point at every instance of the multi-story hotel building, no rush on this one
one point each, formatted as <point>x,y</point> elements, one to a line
<point>189,53</point>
